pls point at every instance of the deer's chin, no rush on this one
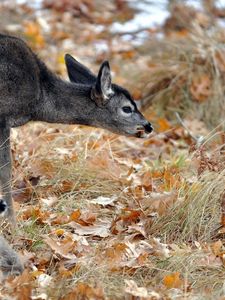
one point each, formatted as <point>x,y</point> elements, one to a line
<point>142,134</point>
<point>138,134</point>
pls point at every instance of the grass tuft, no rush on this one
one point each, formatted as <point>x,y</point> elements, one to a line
<point>197,215</point>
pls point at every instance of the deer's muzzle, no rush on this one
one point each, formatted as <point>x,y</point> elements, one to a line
<point>144,131</point>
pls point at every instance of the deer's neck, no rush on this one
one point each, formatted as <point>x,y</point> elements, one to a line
<point>65,102</point>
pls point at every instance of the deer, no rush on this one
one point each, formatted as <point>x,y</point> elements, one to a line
<point>30,91</point>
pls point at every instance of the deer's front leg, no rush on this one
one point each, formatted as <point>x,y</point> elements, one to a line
<point>5,170</point>
<point>9,260</point>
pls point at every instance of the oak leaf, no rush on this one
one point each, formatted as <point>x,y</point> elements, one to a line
<point>63,248</point>
<point>101,229</point>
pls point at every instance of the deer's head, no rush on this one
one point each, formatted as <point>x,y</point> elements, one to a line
<point>116,110</point>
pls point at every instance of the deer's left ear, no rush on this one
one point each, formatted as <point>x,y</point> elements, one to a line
<point>102,90</point>
<point>77,72</point>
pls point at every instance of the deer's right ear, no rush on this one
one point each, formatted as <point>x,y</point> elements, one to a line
<point>77,72</point>
<point>102,91</point>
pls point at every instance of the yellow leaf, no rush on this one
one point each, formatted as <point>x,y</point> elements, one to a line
<point>32,32</point>
<point>163,124</point>
<point>173,280</point>
<point>59,232</point>
<point>75,215</point>
<point>36,273</point>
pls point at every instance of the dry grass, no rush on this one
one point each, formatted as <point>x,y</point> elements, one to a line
<point>197,216</point>
<point>194,218</point>
<point>195,269</point>
<point>180,67</point>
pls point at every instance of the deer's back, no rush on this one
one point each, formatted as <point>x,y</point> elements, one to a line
<point>19,81</point>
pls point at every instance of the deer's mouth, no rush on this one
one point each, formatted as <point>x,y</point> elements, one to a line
<point>143,131</point>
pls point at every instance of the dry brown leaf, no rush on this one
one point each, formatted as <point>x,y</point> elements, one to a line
<point>101,229</point>
<point>23,192</point>
<point>115,253</point>
<point>43,168</point>
<point>85,291</point>
<point>217,248</point>
<point>129,216</point>
<point>21,286</point>
<point>63,248</point>
<point>201,87</point>
<point>66,186</point>
<point>137,229</point>
<point>159,202</point>
<point>40,216</point>
<point>147,181</point>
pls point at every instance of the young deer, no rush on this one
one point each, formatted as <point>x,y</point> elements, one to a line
<point>30,91</point>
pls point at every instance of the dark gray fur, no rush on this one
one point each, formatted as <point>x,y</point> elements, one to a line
<point>30,91</point>
<point>9,260</point>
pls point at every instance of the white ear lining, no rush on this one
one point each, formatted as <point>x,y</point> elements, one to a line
<point>109,94</point>
<point>106,82</point>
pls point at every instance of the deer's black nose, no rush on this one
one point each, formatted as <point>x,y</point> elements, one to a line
<point>148,127</point>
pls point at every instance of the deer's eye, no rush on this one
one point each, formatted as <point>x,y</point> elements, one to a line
<point>127,109</point>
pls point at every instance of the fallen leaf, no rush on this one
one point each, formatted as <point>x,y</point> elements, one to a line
<point>101,229</point>
<point>134,290</point>
<point>75,215</point>
<point>173,280</point>
<point>44,280</point>
<point>33,33</point>
<point>104,200</point>
<point>21,286</point>
<point>201,87</point>
<point>217,248</point>
<point>85,291</point>
<point>163,125</point>
<point>61,247</point>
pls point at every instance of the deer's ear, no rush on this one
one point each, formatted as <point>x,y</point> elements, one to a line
<point>77,72</point>
<point>102,90</point>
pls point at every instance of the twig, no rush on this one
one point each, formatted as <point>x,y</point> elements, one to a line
<point>134,32</point>
<point>199,140</point>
